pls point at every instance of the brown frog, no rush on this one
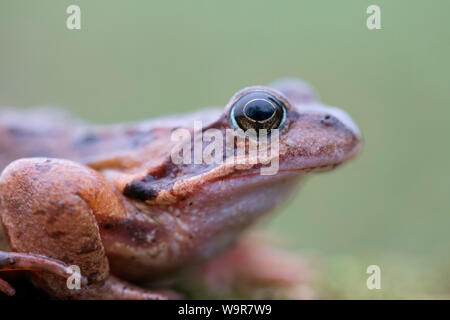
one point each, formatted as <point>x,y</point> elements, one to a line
<point>111,200</point>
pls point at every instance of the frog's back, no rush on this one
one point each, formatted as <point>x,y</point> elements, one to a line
<point>32,133</point>
<point>51,132</point>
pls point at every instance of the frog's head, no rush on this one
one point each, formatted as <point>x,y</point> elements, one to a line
<point>310,135</point>
<point>217,199</point>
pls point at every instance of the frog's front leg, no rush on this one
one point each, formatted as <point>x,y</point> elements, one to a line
<point>49,208</point>
<point>30,262</point>
<point>253,268</point>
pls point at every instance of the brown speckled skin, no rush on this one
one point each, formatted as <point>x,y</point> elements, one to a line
<point>117,205</point>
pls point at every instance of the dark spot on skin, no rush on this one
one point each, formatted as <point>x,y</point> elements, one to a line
<point>19,235</point>
<point>140,190</point>
<point>190,203</point>
<point>92,277</point>
<point>141,139</point>
<point>147,187</point>
<point>19,132</point>
<point>43,168</point>
<point>167,169</point>
<point>88,247</point>
<point>87,139</point>
<point>39,153</point>
<point>133,232</point>
<point>57,234</point>
<point>53,212</point>
<point>148,178</point>
<point>51,219</point>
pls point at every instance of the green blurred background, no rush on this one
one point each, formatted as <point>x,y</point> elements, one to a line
<point>141,59</point>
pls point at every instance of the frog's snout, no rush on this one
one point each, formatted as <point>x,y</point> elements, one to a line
<point>347,136</point>
<point>320,137</point>
<point>332,115</point>
<point>344,118</point>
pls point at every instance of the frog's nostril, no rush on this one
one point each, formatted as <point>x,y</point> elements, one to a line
<point>332,116</point>
<point>327,120</point>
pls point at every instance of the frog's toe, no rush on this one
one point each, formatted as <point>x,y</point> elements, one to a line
<point>257,270</point>
<point>6,288</point>
<point>30,262</point>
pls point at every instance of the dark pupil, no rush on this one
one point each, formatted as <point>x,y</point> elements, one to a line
<point>259,110</point>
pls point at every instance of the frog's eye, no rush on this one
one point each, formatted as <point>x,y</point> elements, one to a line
<point>258,110</point>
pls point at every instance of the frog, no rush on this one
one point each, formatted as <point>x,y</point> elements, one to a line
<point>110,200</point>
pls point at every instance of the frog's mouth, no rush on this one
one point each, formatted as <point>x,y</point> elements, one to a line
<point>314,139</point>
